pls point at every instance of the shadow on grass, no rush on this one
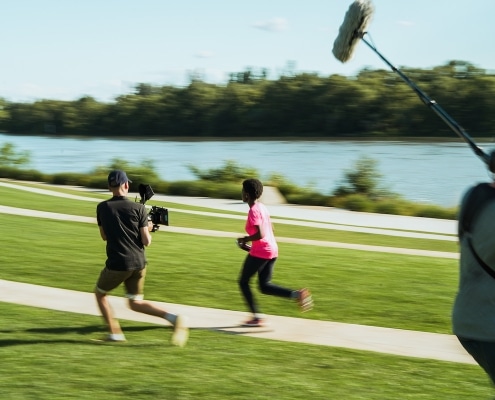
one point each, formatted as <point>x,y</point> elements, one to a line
<point>63,330</point>
<point>88,329</point>
<point>236,329</point>
<point>45,334</point>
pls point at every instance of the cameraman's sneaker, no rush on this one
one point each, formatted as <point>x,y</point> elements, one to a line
<point>181,331</point>
<point>111,338</point>
<point>305,300</point>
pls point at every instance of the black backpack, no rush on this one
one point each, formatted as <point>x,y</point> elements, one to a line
<point>479,196</point>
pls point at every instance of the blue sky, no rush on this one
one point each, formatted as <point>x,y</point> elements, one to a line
<point>64,49</point>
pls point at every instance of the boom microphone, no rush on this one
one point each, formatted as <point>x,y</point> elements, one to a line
<point>356,20</point>
<point>353,28</point>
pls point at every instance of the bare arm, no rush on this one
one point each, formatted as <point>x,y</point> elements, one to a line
<point>258,235</point>
<point>145,234</point>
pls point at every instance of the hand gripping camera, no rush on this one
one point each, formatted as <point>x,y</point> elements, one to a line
<point>157,215</point>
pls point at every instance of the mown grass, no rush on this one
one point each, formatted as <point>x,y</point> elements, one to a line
<point>233,223</point>
<point>50,356</point>
<point>351,286</point>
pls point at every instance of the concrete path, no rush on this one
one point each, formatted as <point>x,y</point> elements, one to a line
<point>369,338</point>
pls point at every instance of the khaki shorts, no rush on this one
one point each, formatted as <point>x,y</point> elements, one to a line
<point>133,281</point>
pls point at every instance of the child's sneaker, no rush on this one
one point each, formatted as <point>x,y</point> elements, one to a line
<point>305,300</point>
<point>254,323</point>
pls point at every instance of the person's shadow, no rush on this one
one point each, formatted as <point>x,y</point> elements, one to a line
<point>84,331</point>
<point>89,330</point>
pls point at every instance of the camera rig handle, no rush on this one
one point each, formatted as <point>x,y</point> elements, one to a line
<point>157,215</point>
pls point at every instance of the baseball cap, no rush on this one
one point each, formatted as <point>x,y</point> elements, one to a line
<point>117,178</point>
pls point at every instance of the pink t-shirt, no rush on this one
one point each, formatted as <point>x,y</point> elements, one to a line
<point>265,248</point>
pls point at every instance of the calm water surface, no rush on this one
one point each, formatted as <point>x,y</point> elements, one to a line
<point>433,172</point>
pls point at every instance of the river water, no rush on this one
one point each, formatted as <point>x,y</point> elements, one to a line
<point>436,172</point>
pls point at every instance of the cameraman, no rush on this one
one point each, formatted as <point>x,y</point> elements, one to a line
<point>125,227</point>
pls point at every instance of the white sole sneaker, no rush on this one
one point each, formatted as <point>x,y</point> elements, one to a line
<point>110,339</point>
<point>181,331</point>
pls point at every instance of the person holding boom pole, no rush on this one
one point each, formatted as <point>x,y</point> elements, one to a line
<point>473,314</point>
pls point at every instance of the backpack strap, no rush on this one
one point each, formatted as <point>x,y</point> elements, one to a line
<point>486,267</point>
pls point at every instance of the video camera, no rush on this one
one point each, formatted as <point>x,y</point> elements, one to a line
<point>157,215</point>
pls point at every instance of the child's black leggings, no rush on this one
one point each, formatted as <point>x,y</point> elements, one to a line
<point>264,268</point>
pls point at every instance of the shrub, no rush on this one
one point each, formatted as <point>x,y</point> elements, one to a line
<point>185,188</point>
<point>358,202</point>
<point>363,178</point>
<point>161,187</point>
<point>380,203</point>
<point>22,174</point>
<point>137,173</point>
<point>285,187</point>
<point>388,206</point>
<point>433,211</point>
<point>229,172</point>
<point>226,190</point>
<point>307,198</point>
<point>69,178</point>
<point>97,181</point>
<point>395,205</point>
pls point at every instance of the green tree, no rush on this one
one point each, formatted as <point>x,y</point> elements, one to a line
<point>374,103</point>
<point>196,108</point>
<point>4,113</point>
<point>363,179</point>
<point>10,157</point>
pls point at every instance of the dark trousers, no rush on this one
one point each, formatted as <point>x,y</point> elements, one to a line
<point>264,268</point>
<point>483,353</point>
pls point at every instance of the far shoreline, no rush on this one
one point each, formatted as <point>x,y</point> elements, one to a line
<point>410,139</point>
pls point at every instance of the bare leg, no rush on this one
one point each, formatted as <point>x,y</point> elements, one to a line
<point>181,330</point>
<point>107,313</point>
<point>146,307</point>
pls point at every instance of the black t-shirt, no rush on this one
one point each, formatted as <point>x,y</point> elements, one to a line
<point>121,220</point>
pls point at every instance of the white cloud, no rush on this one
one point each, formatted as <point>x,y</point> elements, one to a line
<point>204,54</point>
<point>273,25</point>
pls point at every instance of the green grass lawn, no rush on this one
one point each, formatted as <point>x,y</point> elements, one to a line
<point>49,355</point>
<point>397,291</point>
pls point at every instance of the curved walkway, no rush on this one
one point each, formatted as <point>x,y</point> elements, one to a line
<point>325,333</point>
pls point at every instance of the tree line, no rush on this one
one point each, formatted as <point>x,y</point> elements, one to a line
<point>374,103</point>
